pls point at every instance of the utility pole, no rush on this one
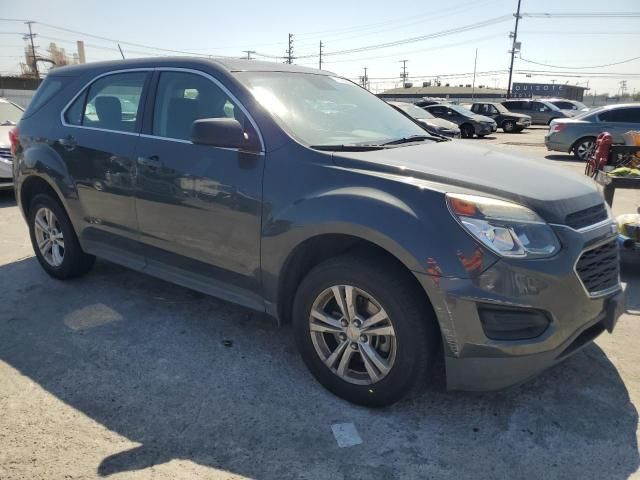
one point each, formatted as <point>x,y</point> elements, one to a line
<point>365,79</point>
<point>320,58</point>
<point>404,74</point>
<point>289,52</point>
<point>473,86</point>
<point>513,49</point>
<point>33,51</point>
<point>249,52</point>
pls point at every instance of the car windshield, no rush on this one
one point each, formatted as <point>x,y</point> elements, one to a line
<point>411,109</point>
<point>590,114</point>
<point>322,110</point>
<point>501,108</point>
<point>9,114</point>
<point>461,110</point>
<point>579,105</point>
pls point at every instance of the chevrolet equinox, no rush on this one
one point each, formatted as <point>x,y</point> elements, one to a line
<point>298,193</point>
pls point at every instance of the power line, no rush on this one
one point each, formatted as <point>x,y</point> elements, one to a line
<point>580,68</point>
<point>583,15</point>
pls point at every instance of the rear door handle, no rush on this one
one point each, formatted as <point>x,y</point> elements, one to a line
<point>152,162</point>
<point>68,142</point>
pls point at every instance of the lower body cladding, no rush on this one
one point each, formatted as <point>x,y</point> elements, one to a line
<point>517,318</point>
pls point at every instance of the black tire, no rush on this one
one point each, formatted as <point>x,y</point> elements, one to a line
<point>583,148</point>
<point>416,331</point>
<point>467,130</point>
<point>509,126</point>
<point>519,129</point>
<point>75,262</point>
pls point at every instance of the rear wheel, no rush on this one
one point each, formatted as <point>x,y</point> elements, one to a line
<point>583,148</point>
<point>54,241</point>
<point>466,130</point>
<point>363,330</point>
<point>509,126</point>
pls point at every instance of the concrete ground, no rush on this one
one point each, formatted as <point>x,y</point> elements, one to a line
<point>122,375</point>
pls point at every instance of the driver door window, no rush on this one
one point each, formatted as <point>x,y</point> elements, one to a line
<point>182,98</point>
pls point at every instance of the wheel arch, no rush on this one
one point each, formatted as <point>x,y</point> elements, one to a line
<point>318,248</point>
<point>584,137</point>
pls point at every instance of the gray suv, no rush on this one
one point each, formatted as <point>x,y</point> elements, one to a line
<point>540,111</point>
<point>302,195</point>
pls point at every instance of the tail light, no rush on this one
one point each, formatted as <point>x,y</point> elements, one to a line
<point>13,138</point>
<point>557,127</point>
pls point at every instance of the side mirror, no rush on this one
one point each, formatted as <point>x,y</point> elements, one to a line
<point>222,132</point>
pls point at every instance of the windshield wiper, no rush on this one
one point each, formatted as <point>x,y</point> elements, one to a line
<point>7,123</point>
<point>412,138</point>
<point>348,147</point>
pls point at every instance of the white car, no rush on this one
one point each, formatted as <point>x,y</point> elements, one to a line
<point>10,114</point>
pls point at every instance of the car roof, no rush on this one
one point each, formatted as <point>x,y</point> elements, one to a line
<point>217,63</point>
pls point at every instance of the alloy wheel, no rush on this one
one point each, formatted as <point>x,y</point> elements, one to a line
<point>49,237</point>
<point>584,149</point>
<point>352,334</point>
<point>508,126</point>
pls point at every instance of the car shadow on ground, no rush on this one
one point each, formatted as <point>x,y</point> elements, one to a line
<point>190,377</point>
<point>7,199</point>
<point>564,158</point>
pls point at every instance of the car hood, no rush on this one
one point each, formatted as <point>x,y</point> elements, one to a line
<point>440,123</point>
<point>516,115</point>
<point>553,192</point>
<point>480,118</point>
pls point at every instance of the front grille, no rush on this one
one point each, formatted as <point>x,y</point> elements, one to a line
<point>598,268</point>
<point>586,217</point>
<point>5,153</point>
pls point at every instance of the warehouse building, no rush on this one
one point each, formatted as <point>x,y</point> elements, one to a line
<point>412,94</point>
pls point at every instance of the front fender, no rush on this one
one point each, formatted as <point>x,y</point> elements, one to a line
<point>416,229</point>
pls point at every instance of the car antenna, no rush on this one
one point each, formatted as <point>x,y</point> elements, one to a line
<point>120,48</point>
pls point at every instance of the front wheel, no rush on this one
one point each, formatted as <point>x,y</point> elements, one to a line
<point>466,130</point>
<point>509,126</point>
<point>364,330</point>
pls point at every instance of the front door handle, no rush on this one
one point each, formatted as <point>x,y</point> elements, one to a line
<point>68,142</point>
<point>152,162</point>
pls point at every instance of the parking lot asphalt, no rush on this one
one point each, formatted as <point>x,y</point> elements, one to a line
<point>125,376</point>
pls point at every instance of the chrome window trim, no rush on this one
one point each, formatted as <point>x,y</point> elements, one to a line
<point>599,293</point>
<point>214,80</point>
<point>63,112</point>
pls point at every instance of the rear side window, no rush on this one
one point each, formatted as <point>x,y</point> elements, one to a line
<point>45,92</point>
<point>183,98</point>
<point>622,115</point>
<point>110,103</point>
<point>565,105</point>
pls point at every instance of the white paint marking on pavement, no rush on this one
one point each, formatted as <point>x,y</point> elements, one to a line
<point>346,434</point>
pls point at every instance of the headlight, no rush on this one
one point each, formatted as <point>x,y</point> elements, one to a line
<point>507,228</point>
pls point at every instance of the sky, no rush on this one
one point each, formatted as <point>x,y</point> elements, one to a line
<point>445,35</point>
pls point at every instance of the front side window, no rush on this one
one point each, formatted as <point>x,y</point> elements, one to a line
<point>110,103</point>
<point>322,110</point>
<point>182,98</point>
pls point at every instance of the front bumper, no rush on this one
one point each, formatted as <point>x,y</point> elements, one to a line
<point>6,174</point>
<point>485,129</point>
<point>475,362</point>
